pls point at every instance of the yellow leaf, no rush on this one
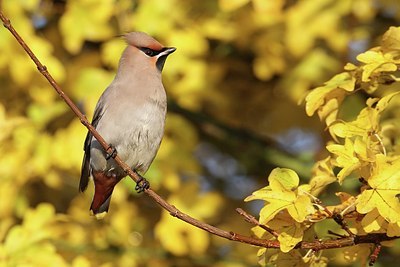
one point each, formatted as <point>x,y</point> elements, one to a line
<point>62,145</point>
<point>329,112</point>
<point>276,203</point>
<point>391,39</point>
<point>260,233</point>
<point>37,218</point>
<point>384,102</point>
<point>350,67</point>
<point>345,158</point>
<point>393,229</point>
<point>347,203</point>
<point>347,130</point>
<point>90,83</point>
<point>343,81</point>
<point>367,122</point>
<point>359,253</point>
<point>41,114</point>
<point>8,123</point>
<point>332,89</point>
<point>281,195</point>
<point>283,179</point>
<point>316,260</point>
<point>310,70</point>
<point>180,238</point>
<point>292,258</point>
<point>192,81</point>
<point>214,29</point>
<point>118,223</point>
<point>231,5</point>
<point>376,61</point>
<point>315,99</point>
<point>303,25</point>
<point>34,229</point>
<point>290,237</point>
<point>384,200</point>
<point>362,150</point>
<point>322,175</point>
<point>93,26</point>
<point>301,208</point>
<point>20,66</point>
<point>365,128</point>
<point>372,221</point>
<point>43,50</point>
<point>385,188</point>
<point>371,57</point>
<point>290,232</point>
<point>41,161</point>
<point>111,52</point>
<point>21,71</point>
<point>363,10</point>
<point>190,43</point>
<point>203,206</point>
<point>81,261</point>
<point>274,8</point>
<point>265,68</point>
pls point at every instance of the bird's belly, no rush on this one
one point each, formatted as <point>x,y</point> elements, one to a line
<point>139,148</point>
<point>136,136</point>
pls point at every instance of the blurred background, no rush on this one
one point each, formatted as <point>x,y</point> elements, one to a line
<point>235,87</point>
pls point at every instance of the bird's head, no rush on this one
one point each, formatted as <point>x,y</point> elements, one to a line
<point>154,52</point>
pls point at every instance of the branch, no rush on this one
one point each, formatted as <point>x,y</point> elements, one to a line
<point>249,218</point>
<point>315,245</point>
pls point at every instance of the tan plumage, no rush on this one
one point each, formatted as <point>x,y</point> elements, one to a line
<point>130,116</point>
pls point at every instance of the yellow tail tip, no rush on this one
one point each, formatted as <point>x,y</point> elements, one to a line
<point>98,216</point>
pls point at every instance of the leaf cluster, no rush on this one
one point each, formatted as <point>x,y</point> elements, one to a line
<point>359,149</point>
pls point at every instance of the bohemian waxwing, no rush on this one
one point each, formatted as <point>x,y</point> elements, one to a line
<point>130,115</point>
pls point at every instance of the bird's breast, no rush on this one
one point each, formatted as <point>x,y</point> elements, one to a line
<point>135,130</point>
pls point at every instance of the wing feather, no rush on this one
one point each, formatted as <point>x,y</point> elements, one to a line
<point>85,172</point>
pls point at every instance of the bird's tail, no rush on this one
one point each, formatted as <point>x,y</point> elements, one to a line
<point>103,187</point>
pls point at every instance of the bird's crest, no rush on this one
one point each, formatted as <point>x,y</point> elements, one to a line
<point>142,40</point>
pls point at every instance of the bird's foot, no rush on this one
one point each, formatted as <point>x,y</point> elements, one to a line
<point>111,154</point>
<point>142,184</point>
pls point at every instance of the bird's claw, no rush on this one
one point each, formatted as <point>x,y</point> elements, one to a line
<point>111,154</point>
<point>142,184</point>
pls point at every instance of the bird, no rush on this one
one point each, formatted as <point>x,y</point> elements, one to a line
<point>130,116</point>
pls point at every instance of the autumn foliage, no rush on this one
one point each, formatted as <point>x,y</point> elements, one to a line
<point>363,148</point>
<point>304,93</point>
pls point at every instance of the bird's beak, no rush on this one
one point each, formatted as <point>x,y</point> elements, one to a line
<point>166,51</point>
<point>162,56</point>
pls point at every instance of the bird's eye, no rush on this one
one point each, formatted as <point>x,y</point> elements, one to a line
<point>149,52</point>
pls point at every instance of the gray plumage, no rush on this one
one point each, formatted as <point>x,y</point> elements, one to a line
<point>130,115</point>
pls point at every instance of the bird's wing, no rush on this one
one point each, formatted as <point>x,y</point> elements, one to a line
<point>85,173</point>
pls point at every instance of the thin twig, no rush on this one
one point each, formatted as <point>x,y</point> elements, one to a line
<point>337,217</point>
<point>251,219</point>
<point>315,245</point>
<point>335,234</point>
<point>375,254</point>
